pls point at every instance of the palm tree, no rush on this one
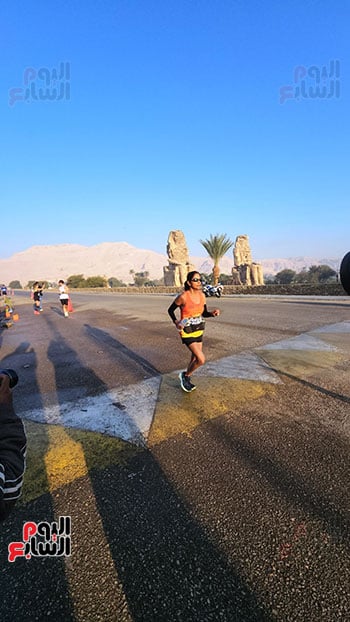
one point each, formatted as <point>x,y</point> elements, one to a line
<point>216,247</point>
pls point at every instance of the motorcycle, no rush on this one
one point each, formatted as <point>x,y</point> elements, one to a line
<point>212,290</point>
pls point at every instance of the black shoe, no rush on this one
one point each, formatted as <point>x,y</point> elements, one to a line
<point>193,386</point>
<point>185,382</point>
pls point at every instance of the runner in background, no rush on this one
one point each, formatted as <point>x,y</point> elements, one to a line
<point>64,296</point>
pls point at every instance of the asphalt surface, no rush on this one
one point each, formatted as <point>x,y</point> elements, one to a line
<point>244,516</point>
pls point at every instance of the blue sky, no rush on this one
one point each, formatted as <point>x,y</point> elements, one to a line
<point>171,118</point>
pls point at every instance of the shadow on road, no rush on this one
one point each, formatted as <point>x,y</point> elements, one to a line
<point>169,568</point>
<point>129,357</point>
<point>36,585</point>
<point>198,529</point>
<point>301,484</point>
<point>312,385</point>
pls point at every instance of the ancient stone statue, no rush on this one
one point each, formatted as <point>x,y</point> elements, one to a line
<point>176,272</point>
<point>241,251</point>
<point>245,271</point>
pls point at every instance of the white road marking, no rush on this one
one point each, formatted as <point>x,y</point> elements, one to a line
<point>301,342</point>
<point>341,327</point>
<point>245,366</point>
<point>127,412</point>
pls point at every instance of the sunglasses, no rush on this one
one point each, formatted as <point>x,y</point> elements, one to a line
<point>196,280</point>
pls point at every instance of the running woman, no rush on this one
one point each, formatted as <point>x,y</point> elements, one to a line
<point>191,324</point>
<point>64,296</point>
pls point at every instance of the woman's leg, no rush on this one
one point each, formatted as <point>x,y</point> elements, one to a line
<point>197,358</point>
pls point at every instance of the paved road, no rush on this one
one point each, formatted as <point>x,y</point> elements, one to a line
<point>238,506</point>
<point>116,340</point>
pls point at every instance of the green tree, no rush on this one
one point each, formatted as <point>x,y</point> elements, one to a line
<point>140,278</point>
<point>225,279</point>
<point>206,278</point>
<point>316,274</point>
<point>313,275</point>
<point>155,282</point>
<point>114,282</point>
<point>216,247</point>
<point>76,280</point>
<point>15,285</point>
<point>285,277</point>
<point>95,281</point>
<point>302,276</point>
<point>321,274</point>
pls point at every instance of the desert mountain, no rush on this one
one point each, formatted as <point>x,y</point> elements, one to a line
<point>51,263</point>
<point>272,266</point>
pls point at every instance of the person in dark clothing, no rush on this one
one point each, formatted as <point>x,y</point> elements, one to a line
<point>13,443</point>
<point>37,292</point>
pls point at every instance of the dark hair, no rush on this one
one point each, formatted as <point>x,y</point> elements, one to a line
<point>189,278</point>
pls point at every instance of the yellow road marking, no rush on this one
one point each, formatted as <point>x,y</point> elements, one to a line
<point>300,362</point>
<point>64,460</point>
<point>179,412</point>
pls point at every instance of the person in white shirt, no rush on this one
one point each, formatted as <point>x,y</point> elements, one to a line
<point>64,296</point>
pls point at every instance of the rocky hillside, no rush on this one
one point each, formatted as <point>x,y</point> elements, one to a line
<point>116,259</point>
<point>272,266</point>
